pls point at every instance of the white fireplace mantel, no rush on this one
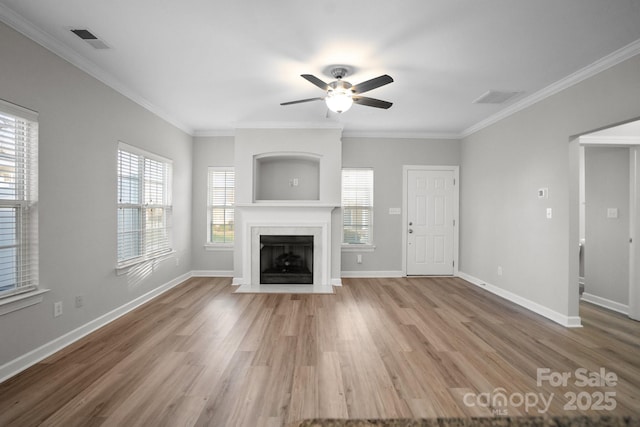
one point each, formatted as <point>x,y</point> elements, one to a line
<point>279,219</point>
<point>307,209</point>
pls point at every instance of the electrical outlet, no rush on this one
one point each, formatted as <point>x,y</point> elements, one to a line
<point>177,261</point>
<point>549,213</point>
<point>499,270</point>
<point>359,259</point>
<point>79,301</point>
<point>57,309</point>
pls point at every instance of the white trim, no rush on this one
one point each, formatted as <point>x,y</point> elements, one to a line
<point>456,209</point>
<point>288,125</point>
<point>285,289</point>
<point>219,247</point>
<point>602,64</point>
<point>371,274</point>
<point>336,281</point>
<point>204,133</point>
<point>354,247</point>
<point>212,273</point>
<point>26,28</point>
<point>609,140</point>
<point>606,303</point>
<point>633,309</point>
<point>18,110</point>
<point>566,321</point>
<point>398,135</point>
<point>20,301</point>
<point>237,281</point>
<point>23,362</point>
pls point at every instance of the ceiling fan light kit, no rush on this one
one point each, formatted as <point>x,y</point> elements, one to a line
<point>340,94</point>
<point>338,100</point>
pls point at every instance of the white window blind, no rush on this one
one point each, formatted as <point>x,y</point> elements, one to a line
<point>221,197</point>
<point>144,205</point>
<point>357,206</point>
<point>18,200</point>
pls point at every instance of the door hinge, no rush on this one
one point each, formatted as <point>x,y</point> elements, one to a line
<point>454,222</point>
<point>454,182</point>
<point>453,263</point>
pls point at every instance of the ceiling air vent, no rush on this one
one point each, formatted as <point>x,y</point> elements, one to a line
<point>90,38</point>
<point>496,97</point>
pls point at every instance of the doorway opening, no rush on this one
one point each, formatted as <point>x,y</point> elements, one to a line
<point>608,218</point>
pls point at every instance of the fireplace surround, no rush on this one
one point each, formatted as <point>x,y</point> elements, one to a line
<point>287,184</point>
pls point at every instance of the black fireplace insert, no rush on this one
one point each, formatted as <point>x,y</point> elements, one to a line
<point>286,260</point>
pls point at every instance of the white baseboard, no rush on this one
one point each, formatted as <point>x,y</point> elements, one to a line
<point>212,273</point>
<point>21,363</point>
<point>566,321</point>
<point>336,282</point>
<point>606,303</point>
<point>371,274</point>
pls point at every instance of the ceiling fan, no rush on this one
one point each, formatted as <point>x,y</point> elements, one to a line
<point>341,94</point>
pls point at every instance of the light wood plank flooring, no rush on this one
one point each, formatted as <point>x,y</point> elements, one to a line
<point>378,348</point>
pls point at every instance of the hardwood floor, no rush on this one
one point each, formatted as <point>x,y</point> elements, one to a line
<point>378,348</point>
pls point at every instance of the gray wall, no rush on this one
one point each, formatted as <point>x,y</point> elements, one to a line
<point>81,121</point>
<point>274,176</point>
<point>386,157</point>
<point>208,151</point>
<point>607,249</point>
<point>502,222</point>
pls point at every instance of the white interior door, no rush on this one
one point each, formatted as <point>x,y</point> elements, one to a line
<point>430,222</point>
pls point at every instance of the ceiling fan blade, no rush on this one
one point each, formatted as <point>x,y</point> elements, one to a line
<point>371,102</point>
<point>316,81</point>
<point>372,84</point>
<point>301,101</point>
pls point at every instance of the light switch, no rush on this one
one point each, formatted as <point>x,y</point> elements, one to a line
<point>395,211</point>
<point>612,213</point>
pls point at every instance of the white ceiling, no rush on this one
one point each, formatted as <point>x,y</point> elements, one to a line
<point>209,66</point>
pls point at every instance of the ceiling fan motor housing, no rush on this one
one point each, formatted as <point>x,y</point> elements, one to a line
<point>339,72</point>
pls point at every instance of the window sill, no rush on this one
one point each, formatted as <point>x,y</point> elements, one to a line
<point>124,268</point>
<point>219,247</point>
<point>20,301</point>
<point>358,248</point>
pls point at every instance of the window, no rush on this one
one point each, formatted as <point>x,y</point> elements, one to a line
<point>18,200</point>
<point>357,206</point>
<point>220,215</point>
<point>144,205</point>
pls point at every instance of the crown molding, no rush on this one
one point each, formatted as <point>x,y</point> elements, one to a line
<point>44,39</point>
<point>214,133</point>
<point>288,125</point>
<point>345,134</point>
<point>620,55</point>
<point>399,135</point>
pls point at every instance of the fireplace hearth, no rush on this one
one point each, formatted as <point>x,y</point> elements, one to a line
<point>286,259</point>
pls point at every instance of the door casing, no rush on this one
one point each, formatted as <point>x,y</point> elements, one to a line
<point>456,204</point>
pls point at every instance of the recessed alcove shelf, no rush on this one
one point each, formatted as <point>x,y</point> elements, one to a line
<point>281,177</point>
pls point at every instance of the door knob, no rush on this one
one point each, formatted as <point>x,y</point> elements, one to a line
<point>410,231</point>
<point>410,223</point>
